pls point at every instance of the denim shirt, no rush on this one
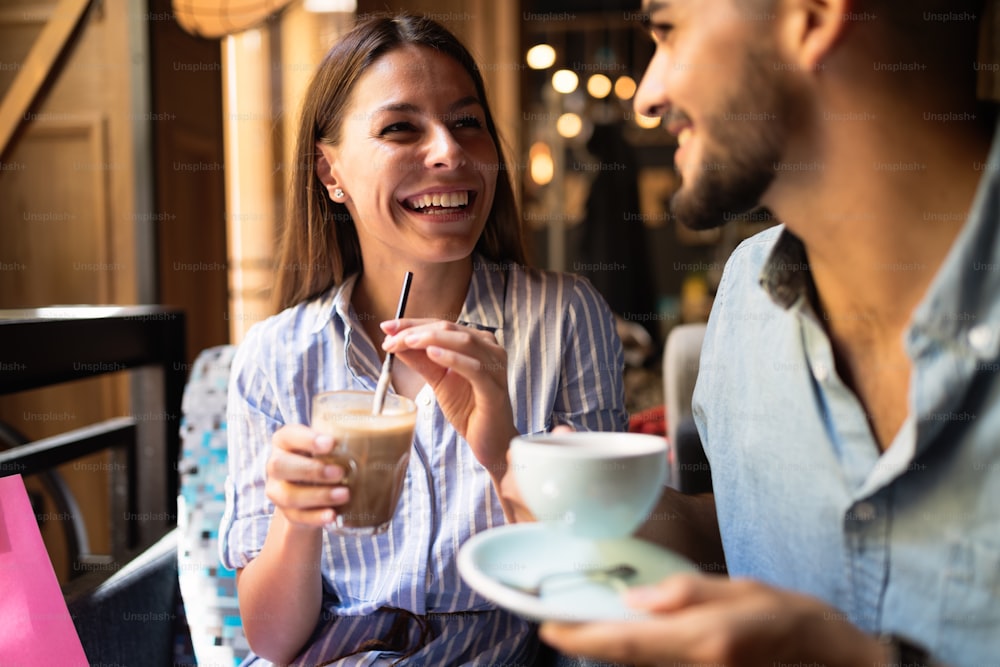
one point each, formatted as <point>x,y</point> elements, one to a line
<point>905,541</point>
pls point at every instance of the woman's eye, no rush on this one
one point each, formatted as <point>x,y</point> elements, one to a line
<point>468,121</point>
<point>396,127</point>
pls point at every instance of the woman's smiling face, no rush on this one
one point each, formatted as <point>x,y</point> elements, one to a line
<point>415,159</point>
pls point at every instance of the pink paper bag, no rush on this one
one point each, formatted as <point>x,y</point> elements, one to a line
<point>35,626</point>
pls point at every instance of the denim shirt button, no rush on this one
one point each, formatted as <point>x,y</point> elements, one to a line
<point>981,338</point>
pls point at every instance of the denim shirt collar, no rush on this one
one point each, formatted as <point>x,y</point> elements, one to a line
<point>786,276</point>
<point>961,305</point>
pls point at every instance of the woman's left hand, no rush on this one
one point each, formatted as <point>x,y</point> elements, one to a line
<point>467,369</point>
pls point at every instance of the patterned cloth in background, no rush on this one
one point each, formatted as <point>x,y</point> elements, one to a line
<point>208,589</point>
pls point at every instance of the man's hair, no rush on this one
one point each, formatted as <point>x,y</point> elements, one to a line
<point>930,6</point>
<point>917,7</point>
<point>942,31</point>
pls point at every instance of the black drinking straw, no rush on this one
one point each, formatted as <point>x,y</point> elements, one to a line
<point>384,376</point>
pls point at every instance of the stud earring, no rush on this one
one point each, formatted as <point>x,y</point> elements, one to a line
<point>338,193</point>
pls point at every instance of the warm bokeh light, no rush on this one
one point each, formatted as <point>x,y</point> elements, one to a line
<point>541,56</point>
<point>625,87</point>
<point>647,122</point>
<point>540,164</point>
<point>330,6</point>
<point>599,86</point>
<point>565,81</point>
<point>569,125</point>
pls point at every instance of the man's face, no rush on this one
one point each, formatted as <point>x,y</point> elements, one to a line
<point>723,93</point>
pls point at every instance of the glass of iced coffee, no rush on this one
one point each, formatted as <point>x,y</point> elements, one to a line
<point>373,449</point>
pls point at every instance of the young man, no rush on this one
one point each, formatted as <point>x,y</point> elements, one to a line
<point>848,398</point>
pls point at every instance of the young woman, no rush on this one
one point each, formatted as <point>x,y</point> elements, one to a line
<point>400,171</point>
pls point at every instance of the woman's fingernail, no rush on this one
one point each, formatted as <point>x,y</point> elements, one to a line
<point>323,443</point>
<point>389,325</point>
<point>332,472</point>
<point>339,494</point>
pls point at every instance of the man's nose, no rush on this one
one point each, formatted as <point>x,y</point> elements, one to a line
<point>651,98</point>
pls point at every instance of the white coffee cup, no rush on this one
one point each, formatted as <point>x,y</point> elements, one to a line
<point>596,485</point>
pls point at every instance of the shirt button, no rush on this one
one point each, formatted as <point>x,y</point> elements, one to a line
<point>821,370</point>
<point>981,338</point>
<point>426,401</point>
<point>864,512</point>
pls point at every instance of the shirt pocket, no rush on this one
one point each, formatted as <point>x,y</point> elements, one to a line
<point>970,614</point>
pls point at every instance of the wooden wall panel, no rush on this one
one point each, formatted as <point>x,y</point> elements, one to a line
<point>56,214</point>
<point>71,184</point>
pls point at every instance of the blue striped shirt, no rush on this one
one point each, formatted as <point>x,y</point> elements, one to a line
<point>564,367</point>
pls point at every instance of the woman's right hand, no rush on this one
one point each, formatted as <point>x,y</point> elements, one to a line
<point>304,488</point>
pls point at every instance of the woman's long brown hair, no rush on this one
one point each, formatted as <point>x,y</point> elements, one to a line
<point>319,244</point>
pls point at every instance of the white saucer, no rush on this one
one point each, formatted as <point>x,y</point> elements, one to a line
<point>523,553</point>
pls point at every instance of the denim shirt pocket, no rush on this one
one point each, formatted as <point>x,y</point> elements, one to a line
<point>970,614</point>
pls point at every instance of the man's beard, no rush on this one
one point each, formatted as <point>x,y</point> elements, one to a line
<point>740,154</point>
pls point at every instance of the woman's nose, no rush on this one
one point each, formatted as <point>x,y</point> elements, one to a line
<point>443,149</point>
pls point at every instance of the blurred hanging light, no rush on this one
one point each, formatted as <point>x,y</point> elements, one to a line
<point>540,164</point>
<point>625,87</point>
<point>565,81</point>
<point>541,56</point>
<point>647,122</point>
<point>330,6</point>
<point>569,125</point>
<point>212,19</point>
<point>599,86</point>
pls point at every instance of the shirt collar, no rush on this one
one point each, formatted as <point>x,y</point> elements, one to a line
<point>336,301</point>
<point>483,307</point>
<point>786,276</point>
<point>962,304</point>
<point>484,303</point>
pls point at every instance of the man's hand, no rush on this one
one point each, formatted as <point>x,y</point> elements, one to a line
<point>697,619</point>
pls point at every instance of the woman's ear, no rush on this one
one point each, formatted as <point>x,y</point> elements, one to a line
<point>325,172</point>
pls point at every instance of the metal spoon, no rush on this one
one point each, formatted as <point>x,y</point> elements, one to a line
<point>610,573</point>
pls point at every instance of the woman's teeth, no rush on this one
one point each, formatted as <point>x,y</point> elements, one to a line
<point>683,136</point>
<point>441,199</point>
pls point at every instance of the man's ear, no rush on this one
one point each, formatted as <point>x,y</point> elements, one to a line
<point>811,29</point>
<point>324,168</point>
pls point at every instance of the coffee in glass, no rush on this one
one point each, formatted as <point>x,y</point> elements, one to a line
<point>374,451</point>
